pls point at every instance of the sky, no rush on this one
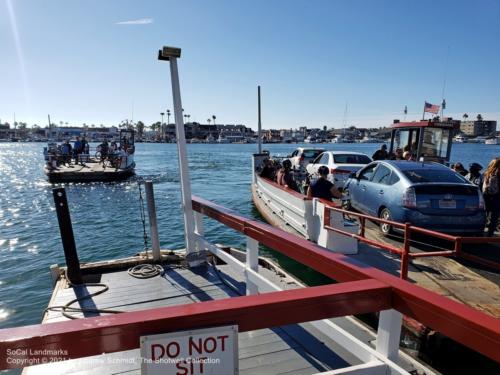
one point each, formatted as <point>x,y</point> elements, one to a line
<point>319,63</point>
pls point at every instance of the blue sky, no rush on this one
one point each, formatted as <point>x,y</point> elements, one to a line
<point>312,59</point>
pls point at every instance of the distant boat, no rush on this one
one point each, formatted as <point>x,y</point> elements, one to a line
<point>492,141</point>
<point>367,139</point>
<point>460,139</point>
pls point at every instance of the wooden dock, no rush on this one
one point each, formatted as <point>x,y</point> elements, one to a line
<point>291,349</point>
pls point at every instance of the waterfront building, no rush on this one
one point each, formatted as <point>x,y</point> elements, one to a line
<point>478,128</point>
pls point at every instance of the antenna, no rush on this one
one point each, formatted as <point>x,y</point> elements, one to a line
<point>443,102</point>
<point>259,124</point>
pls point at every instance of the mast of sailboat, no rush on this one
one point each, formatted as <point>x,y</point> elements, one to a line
<point>171,54</point>
<point>50,128</point>
<point>259,132</point>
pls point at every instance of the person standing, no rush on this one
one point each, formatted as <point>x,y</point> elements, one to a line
<point>381,154</point>
<point>285,178</point>
<point>491,193</point>
<point>77,149</point>
<point>322,188</point>
<point>474,175</point>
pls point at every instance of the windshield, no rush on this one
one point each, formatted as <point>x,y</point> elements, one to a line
<point>435,142</point>
<point>433,175</point>
<point>311,153</point>
<point>351,159</point>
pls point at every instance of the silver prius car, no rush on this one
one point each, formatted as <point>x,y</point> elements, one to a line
<point>425,194</point>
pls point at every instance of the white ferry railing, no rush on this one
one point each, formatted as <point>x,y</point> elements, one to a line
<point>390,320</point>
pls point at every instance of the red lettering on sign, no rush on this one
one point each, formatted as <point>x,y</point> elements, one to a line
<point>182,366</point>
<point>210,345</point>
<point>154,351</point>
<point>173,349</point>
<point>192,345</point>
<point>222,339</point>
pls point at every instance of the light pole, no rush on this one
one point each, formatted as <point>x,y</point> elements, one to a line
<point>171,54</point>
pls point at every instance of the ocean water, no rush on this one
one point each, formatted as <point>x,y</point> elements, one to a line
<point>106,216</point>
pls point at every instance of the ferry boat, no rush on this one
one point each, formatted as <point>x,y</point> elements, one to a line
<point>213,310</point>
<point>92,166</point>
<point>459,139</point>
<point>325,223</point>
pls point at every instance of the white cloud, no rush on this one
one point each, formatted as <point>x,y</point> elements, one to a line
<point>141,21</point>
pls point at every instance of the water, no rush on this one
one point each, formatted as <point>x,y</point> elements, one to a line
<point>106,217</point>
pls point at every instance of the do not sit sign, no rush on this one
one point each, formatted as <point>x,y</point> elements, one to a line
<point>202,351</point>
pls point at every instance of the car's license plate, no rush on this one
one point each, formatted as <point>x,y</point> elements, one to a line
<point>447,203</point>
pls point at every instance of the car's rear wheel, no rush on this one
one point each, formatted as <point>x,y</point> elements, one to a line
<point>385,228</point>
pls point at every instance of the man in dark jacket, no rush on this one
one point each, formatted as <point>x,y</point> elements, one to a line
<point>381,154</point>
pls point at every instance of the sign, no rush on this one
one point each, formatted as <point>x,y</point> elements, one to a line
<point>195,352</point>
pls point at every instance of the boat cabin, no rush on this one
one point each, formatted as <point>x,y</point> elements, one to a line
<point>425,140</point>
<point>127,140</point>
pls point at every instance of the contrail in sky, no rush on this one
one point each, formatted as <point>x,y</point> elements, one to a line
<point>19,51</point>
<point>141,21</point>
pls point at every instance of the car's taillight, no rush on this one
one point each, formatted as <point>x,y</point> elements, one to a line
<point>302,158</point>
<point>409,198</point>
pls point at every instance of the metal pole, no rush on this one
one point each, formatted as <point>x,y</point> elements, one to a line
<point>153,224</point>
<point>260,124</point>
<point>68,240</point>
<point>183,161</point>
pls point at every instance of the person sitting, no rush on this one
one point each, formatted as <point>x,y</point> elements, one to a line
<point>474,175</point>
<point>285,177</point>
<point>268,170</point>
<point>381,154</point>
<point>459,168</point>
<point>322,188</point>
<point>398,154</point>
<point>407,156</point>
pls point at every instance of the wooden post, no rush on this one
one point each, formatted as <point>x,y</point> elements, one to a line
<point>153,224</point>
<point>389,333</point>
<point>68,239</point>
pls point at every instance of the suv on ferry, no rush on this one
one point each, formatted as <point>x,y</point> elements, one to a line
<point>303,156</point>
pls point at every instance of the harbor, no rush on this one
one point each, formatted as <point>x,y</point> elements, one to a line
<point>303,197</point>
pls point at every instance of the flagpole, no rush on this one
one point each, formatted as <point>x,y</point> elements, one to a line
<point>423,114</point>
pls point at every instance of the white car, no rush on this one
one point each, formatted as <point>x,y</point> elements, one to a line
<point>302,156</point>
<point>340,164</point>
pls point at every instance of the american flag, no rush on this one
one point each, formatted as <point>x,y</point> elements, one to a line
<point>431,108</point>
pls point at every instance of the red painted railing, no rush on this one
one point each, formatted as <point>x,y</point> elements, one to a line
<point>405,251</point>
<point>361,289</point>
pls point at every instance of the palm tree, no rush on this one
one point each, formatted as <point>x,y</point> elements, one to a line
<point>208,120</point>
<point>213,118</point>
<point>465,116</point>
<point>168,116</point>
<point>189,117</point>
<point>479,117</point>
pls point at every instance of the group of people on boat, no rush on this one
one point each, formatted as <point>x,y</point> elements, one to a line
<point>489,182</point>
<point>399,154</point>
<point>65,153</point>
<point>283,176</point>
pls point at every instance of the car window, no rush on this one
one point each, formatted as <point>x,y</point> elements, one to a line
<point>311,154</point>
<point>317,160</point>
<point>393,179</point>
<point>351,159</point>
<point>367,173</point>
<point>382,175</point>
<point>325,158</point>
<point>434,175</point>
<point>295,153</point>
